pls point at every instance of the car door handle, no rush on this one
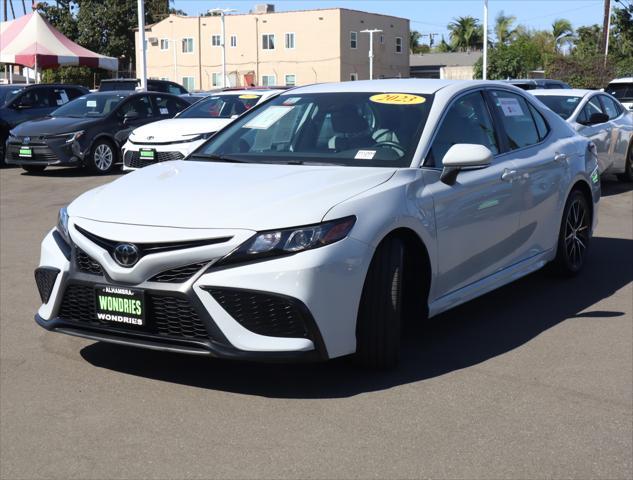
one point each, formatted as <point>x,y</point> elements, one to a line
<point>560,157</point>
<point>509,175</point>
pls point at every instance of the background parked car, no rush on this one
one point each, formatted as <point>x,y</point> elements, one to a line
<point>175,138</point>
<point>126,84</point>
<point>88,131</point>
<point>19,103</point>
<point>622,89</point>
<point>601,118</point>
<point>534,83</point>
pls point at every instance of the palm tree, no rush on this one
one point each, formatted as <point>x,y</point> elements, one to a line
<point>444,47</point>
<point>503,27</point>
<point>562,32</point>
<point>465,33</point>
<point>414,41</point>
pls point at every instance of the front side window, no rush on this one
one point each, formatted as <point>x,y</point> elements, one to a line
<point>221,106</point>
<point>610,107</point>
<point>36,98</point>
<point>93,105</point>
<point>290,80</point>
<point>349,129</point>
<point>466,121</point>
<point>290,40</point>
<point>398,44</point>
<point>188,83</point>
<point>164,44</point>
<point>592,106</point>
<point>139,105</point>
<point>353,39</point>
<point>268,80</point>
<point>59,96</point>
<point>215,41</point>
<point>268,41</point>
<point>560,104</point>
<point>517,119</point>
<point>169,106</point>
<point>187,45</point>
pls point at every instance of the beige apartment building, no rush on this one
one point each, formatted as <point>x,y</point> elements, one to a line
<point>275,48</point>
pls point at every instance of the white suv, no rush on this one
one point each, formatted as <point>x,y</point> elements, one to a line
<point>622,89</point>
<point>177,137</point>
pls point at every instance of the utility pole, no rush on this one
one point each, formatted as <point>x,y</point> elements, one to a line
<point>222,11</point>
<point>485,59</point>
<point>141,31</point>
<point>371,50</point>
<point>431,36</point>
<point>606,26</point>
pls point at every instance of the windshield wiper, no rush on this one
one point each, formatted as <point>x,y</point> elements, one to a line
<point>218,158</point>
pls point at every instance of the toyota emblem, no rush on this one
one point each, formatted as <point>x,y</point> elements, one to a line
<point>26,140</point>
<point>126,254</point>
<point>151,137</point>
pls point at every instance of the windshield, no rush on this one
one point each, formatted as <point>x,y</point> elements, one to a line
<point>561,104</point>
<point>221,106</point>
<point>96,105</point>
<point>353,129</point>
<point>621,91</point>
<point>8,93</point>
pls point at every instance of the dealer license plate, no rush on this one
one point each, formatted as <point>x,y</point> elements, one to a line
<point>26,152</point>
<point>120,305</point>
<point>147,153</point>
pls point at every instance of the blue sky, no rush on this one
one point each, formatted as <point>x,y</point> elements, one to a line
<point>432,16</point>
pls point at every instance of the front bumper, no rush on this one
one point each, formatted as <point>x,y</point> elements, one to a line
<point>301,307</point>
<point>44,152</point>
<point>163,153</point>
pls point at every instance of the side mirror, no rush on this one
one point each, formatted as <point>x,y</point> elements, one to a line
<point>596,118</point>
<point>130,116</point>
<point>464,156</point>
<point>24,104</point>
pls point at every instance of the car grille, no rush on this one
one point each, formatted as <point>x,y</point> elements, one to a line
<point>85,263</point>
<point>132,158</point>
<point>179,274</point>
<point>39,154</point>
<point>166,315</point>
<point>262,313</point>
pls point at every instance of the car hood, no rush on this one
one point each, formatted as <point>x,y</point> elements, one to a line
<point>193,194</point>
<point>52,126</point>
<point>177,129</point>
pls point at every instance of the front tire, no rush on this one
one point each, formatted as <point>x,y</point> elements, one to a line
<point>627,176</point>
<point>34,168</point>
<point>379,319</point>
<point>574,236</point>
<point>102,157</point>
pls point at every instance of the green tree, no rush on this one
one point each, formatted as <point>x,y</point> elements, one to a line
<point>515,60</point>
<point>414,41</point>
<point>466,33</point>
<point>562,31</point>
<point>444,46</point>
<point>503,27</point>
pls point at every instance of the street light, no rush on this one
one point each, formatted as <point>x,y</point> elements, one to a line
<point>222,11</point>
<point>371,50</point>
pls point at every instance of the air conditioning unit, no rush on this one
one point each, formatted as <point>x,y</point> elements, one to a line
<point>264,8</point>
<point>153,40</point>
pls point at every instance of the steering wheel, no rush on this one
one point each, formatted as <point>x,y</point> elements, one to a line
<point>395,146</point>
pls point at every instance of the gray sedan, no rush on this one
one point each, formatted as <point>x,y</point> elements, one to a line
<point>600,117</point>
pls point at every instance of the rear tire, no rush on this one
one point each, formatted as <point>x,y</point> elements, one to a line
<point>379,319</point>
<point>627,176</point>
<point>102,157</point>
<point>34,168</point>
<point>574,236</point>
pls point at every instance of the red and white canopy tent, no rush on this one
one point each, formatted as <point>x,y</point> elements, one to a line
<point>32,42</point>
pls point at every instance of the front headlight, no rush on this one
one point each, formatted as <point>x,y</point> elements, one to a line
<point>200,136</point>
<point>70,137</point>
<point>288,241</point>
<point>62,224</point>
<point>12,137</point>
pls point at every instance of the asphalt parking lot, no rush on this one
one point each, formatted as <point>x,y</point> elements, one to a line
<point>532,381</point>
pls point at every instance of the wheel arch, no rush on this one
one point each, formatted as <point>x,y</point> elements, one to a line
<point>111,139</point>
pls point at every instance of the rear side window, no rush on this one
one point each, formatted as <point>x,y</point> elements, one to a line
<point>73,93</point>
<point>59,96</point>
<point>466,121</point>
<point>541,124</point>
<point>517,120</point>
<point>610,107</point>
<point>176,89</point>
<point>169,106</point>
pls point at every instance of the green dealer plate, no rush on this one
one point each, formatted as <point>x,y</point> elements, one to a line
<point>26,152</point>
<point>147,153</point>
<point>121,306</point>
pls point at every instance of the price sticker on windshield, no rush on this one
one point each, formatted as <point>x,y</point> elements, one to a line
<point>397,99</point>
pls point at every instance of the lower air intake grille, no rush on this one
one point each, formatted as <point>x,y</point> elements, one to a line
<point>262,313</point>
<point>178,275</point>
<point>132,158</point>
<point>86,263</point>
<point>165,315</point>
<point>45,280</point>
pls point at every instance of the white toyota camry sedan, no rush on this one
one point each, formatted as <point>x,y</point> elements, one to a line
<point>317,223</point>
<point>602,119</point>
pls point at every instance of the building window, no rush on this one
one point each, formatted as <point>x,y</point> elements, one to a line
<point>216,79</point>
<point>187,45</point>
<point>268,80</point>
<point>188,83</point>
<point>353,39</point>
<point>164,44</point>
<point>290,40</point>
<point>353,77</point>
<point>215,41</point>
<point>268,41</point>
<point>382,39</point>
<point>291,80</point>
<point>398,44</point>
<point>234,40</point>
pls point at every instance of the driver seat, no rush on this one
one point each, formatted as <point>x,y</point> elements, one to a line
<point>351,130</point>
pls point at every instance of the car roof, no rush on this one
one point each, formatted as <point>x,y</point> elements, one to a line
<point>31,85</point>
<point>404,85</point>
<point>622,80</point>
<point>562,92</point>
